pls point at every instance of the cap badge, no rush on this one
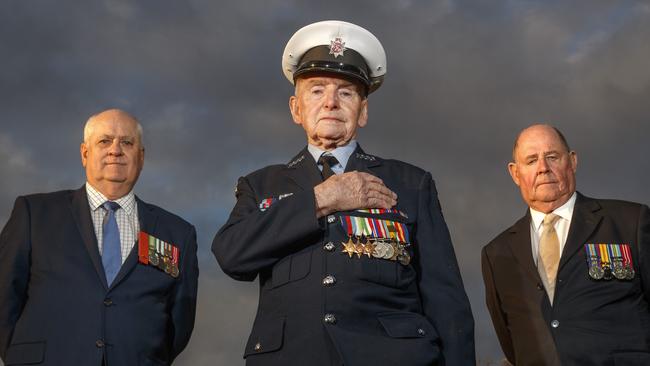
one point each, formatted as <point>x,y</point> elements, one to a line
<point>337,47</point>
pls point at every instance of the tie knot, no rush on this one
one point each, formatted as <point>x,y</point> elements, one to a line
<point>328,159</point>
<point>111,206</point>
<point>550,219</point>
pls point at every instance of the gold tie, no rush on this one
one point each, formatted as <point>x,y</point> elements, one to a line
<point>549,254</point>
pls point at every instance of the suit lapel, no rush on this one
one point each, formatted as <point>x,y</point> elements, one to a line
<point>303,171</point>
<point>148,220</point>
<point>81,215</point>
<point>584,222</point>
<point>521,248</point>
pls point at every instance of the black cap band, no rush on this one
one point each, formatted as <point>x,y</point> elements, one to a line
<point>319,59</point>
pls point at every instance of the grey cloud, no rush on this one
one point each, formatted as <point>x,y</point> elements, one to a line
<point>204,78</point>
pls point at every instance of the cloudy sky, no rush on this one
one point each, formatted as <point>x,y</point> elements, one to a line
<point>204,78</point>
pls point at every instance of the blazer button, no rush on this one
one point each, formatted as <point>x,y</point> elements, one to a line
<point>540,287</point>
<point>331,218</point>
<point>422,332</point>
<point>329,246</point>
<point>329,280</point>
<point>329,319</point>
<point>99,343</point>
<point>108,302</point>
<point>258,347</point>
<point>555,323</point>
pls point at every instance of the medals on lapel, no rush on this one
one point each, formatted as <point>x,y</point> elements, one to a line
<point>609,261</point>
<point>376,238</point>
<point>157,253</point>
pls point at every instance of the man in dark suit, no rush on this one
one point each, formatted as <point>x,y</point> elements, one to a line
<point>96,276</point>
<point>354,259</point>
<point>569,282</point>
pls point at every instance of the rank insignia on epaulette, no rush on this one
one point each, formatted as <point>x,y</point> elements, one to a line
<point>609,261</point>
<point>296,161</point>
<point>365,157</point>
<point>158,253</point>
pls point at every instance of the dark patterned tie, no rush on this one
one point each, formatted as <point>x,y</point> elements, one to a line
<point>327,161</point>
<point>111,249</point>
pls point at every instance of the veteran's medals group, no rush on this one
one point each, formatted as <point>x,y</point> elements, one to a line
<point>155,252</point>
<point>376,238</point>
<point>609,261</point>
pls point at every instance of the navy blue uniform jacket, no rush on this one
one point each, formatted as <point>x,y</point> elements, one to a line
<point>371,311</point>
<point>604,323</point>
<point>55,305</point>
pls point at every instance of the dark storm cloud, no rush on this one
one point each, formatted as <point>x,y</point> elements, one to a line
<point>204,78</point>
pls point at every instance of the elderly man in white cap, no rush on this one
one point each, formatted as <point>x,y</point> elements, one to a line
<point>354,259</point>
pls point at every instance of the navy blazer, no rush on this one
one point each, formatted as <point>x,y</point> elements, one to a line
<point>605,323</point>
<point>55,305</point>
<point>317,305</point>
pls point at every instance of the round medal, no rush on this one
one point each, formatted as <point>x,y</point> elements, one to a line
<point>619,272</point>
<point>390,251</point>
<point>153,259</point>
<point>607,273</point>
<point>596,272</point>
<point>174,271</point>
<point>629,273</point>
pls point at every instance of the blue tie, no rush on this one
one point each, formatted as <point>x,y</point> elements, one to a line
<point>111,250</point>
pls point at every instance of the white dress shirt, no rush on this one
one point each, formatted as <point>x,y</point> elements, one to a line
<point>561,225</point>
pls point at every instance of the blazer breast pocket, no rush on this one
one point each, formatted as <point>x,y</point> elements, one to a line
<point>291,268</point>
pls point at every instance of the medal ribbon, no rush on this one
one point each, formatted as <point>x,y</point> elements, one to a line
<point>143,247</point>
<point>175,255</point>
<point>604,254</point>
<point>627,256</point>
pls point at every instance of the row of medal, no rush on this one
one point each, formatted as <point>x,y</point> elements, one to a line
<point>381,239</point>
<point>155,252</point>
<point>607,261</point>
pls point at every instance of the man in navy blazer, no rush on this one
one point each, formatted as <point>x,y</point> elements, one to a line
<point>354,259</point>
<point>96,276</point>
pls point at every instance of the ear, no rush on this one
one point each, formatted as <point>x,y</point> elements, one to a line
<point>294,107</point>
<point>574,161</point>
<point>363,116</point>
<point>83,150</point>
<point>514,172</point>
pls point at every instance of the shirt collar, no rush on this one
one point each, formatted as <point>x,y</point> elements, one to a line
<point>96,199</point>
<point>341,153</point>
<point>565,211</point>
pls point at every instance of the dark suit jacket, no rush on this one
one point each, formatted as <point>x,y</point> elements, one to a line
<point>55,305</point>
<point>591,322</point>
<point>386,313</point>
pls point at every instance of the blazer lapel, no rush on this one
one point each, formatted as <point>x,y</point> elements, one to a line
<point>521,247</point>
<point>584,222</point>
<point>147,219</point>
<point>303,171</point>
<point>81,215</point>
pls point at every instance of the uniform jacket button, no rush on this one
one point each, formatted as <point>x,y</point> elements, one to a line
<point>422,332</point>
<point>258,347</point>
<point>331,218</point>
<point>108,302</point>
<point>99,343</point>
<point>329,280</point>
<point>555,323</point>
<point>329,319</point>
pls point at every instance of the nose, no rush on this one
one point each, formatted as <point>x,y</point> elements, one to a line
<point>542,166</point>
<point>331,100</point>
<point>116,148</point>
